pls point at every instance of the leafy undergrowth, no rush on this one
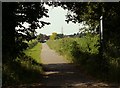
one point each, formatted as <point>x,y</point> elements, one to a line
<point>85,53</point>
<point>31,43</point>
<point>25,69</point>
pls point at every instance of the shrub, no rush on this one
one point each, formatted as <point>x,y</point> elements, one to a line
<point>85,52</point>
<point>24,69</point>
<point>31,43</point>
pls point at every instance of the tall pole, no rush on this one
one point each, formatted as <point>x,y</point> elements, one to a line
<point>101,27</point>
<point>101,36</point>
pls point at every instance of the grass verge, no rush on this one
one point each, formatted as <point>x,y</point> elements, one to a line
<point>34,52</point>
<point>24,70</point>
<point>85,53</point>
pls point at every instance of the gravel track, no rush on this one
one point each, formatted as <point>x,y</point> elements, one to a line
<point>59,73</point>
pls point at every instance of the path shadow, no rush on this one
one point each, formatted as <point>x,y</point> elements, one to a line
<point>22,73</point>
<point>63,74</point>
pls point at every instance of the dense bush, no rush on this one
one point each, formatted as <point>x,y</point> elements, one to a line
<point>89,43</point>
<point>32,43</point>
<point>112,54</point>
<point>77,48</point>
<point>85,52</point>
<point>22,71</point>
<point>25,69</point>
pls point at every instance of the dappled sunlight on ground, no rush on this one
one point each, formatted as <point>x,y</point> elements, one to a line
<point>62,74</point>
<point>67,75</point>
<point>58,73</point>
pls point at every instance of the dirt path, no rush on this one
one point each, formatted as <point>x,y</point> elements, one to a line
<point>61,74</point>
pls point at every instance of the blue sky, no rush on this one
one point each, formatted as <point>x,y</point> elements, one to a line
<point>57,20</point>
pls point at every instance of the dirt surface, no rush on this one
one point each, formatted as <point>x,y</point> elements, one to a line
<point>59,73</point>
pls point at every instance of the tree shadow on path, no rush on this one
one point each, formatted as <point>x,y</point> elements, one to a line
<point>64,75</point>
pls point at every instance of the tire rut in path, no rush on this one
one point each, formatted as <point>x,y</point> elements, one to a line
<point>61,73</point>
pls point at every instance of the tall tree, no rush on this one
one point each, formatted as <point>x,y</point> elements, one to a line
<point>53,36</point>
<point>14,14</point>
<point>89,13</point>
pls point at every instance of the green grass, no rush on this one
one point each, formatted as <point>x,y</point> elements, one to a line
<point>85,53</point>
<point>26,69</point>
<point>34,52</point>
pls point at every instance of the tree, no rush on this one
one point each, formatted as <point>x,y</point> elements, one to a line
<point>60,36</point>
<point>53,36</point>
<point>89,13</point>
<point>14,14</point>
<point>40,37</point>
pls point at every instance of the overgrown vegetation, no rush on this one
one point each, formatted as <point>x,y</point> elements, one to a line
<point>84,52</point>
<point>25,69</point>
<point>105,64</point>
<point>34,52</point>
<point>18,67</point>
<point>31,43</point>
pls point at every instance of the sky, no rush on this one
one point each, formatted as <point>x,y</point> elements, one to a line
<point>57,19</point>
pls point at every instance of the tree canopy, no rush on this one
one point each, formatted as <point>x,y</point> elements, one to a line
<point>17,13</point>
<point>90,12</point>
<point>14,14</point>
